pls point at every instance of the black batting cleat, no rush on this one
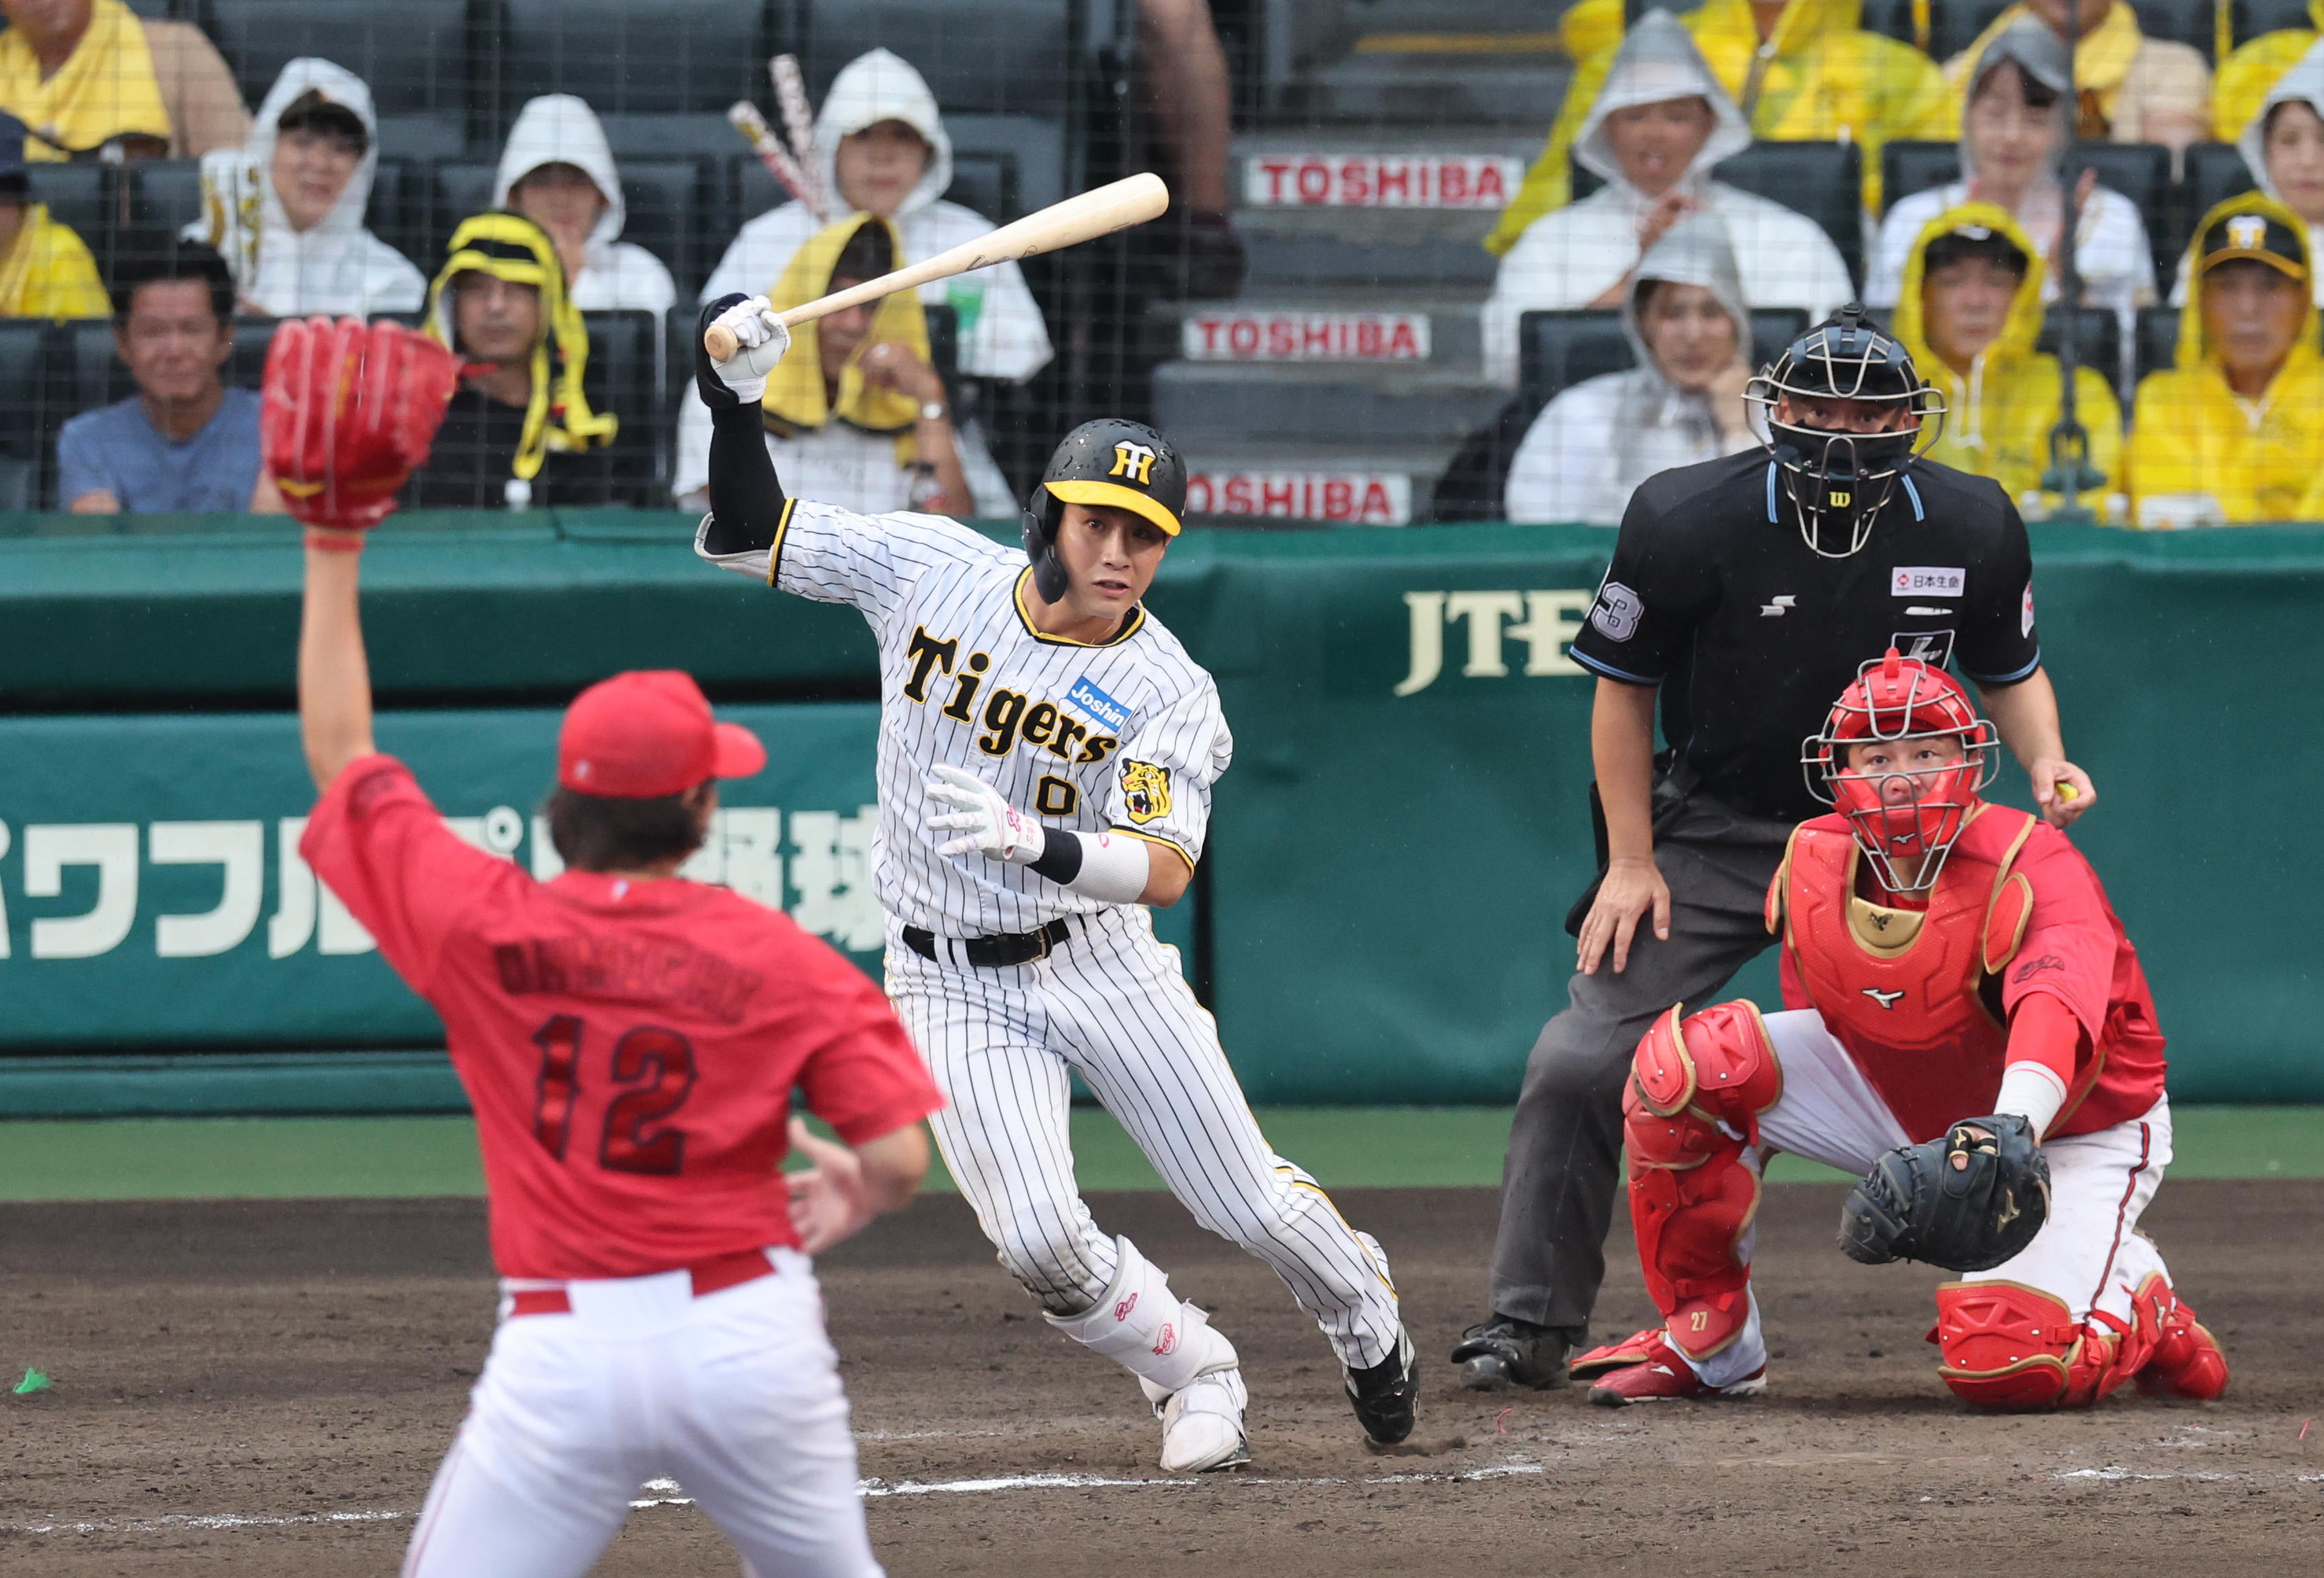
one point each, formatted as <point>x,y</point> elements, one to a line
<point>1504,1351</point>
<point>1386,1397</point>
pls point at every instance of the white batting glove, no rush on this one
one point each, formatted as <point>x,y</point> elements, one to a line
<point>988,824</point>
<point>762,340</point>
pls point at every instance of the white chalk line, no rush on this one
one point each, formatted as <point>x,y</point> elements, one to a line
<point>178,1520</point>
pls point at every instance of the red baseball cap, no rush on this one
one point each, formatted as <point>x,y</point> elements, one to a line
<point>649,732</point>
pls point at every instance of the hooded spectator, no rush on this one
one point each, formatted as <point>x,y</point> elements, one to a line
<point>855,414</point>
<point>287,212</point>
<point>2241,89</point>
<point>881,148</point>
<point>1682,404</point>
<point>1805,73</point>
<point>1660,124</point>
<point>86,75</point>
<point>520,432</point>
<point>45,271</point>
<point>184,442</point>
<point>2131,88</point>
<point>2235,432</point>
<point>2282,145</point>
<point>1971,313</point>
<point>2015,133</point>
<point>558,172</point>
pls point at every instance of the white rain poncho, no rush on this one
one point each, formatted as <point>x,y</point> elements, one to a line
<point>1570,257</point>
<point>336,268</point>
<point>558,128</point>
<point>1596,442</point>
<point>2111,251</point>
<point>1001,333</point>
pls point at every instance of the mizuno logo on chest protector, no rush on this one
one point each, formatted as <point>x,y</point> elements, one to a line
<point>1885,998</point>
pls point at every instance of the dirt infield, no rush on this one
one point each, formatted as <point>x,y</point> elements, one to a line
<point>263,1388</point>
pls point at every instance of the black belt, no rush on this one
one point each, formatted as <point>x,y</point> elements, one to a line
<point>995,953</point>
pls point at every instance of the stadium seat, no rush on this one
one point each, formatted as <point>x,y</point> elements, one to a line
<point>1955,24</point>
<point>625,58</point>
<point>670,205</point>
<point>456,187</point>
<point>87,197</point>
<point>2253,18</point>
<point>1557,350</point>
<point>1908,165</point>
<point>2158,339</point>
<point>247,369</point>
<point>2098,338</point>
<point>2194,25</point>
<point>1823,180</point>
<point>23,409</point>
<point>415,55</point>
<point>84,373</point>
<point>628,376</point>
<point>2215,172</point>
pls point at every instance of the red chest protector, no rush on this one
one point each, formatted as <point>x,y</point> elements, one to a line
<point>1900,989</point>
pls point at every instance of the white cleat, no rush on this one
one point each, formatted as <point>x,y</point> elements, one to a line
<point>1202,1425</point>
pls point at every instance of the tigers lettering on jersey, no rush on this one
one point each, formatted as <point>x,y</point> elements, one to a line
<point>1009,715</point>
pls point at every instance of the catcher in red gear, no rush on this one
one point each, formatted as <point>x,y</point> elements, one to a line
<point>348,413</point>
<point>1956,989</point>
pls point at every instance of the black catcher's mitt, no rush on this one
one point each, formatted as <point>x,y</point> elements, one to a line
<point>1967,1202</point>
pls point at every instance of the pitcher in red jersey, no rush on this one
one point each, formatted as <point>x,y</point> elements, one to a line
<point>1943,957</point>
<point>629,1041</point>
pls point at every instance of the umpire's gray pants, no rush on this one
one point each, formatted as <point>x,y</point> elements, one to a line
<point>1559,1177</point>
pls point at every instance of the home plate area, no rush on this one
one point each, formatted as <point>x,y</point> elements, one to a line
<point>264,1387</point>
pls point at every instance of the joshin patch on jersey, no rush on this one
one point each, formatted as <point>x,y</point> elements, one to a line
<point>1144,790</point>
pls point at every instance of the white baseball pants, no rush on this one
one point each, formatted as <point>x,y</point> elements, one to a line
<point>734,1395</point>
<point>1110,1003</point>
<point>2088,1254</point>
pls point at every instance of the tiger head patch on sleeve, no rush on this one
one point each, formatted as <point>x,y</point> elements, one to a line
<point>1144,790</point>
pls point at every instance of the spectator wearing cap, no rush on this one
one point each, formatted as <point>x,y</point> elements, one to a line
<point>1800,71</point>
<point>2246,77</point>
<point>184,442</point>
<point>1971,313</point>
<point>557,170</point>
<point>1682,404</point>
<point>2282,145</point>
<point>2131,88</point>
<point>1661,122</point>
<point>2235,432</point>
<point>520,432</point>
<point>2015,133</point>
<point>45,271</point>
<point>287,211</point>
<point>91,74</point>
<point>855,414</point>
<point>880,146</point>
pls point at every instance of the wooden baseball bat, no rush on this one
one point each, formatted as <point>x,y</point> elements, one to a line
<point>1100,212</point>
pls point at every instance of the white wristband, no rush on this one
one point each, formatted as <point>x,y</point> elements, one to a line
<point>2034,1092</point>
<point>1115,868</point>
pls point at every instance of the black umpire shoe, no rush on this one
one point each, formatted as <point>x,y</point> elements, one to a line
<point>1386,1397</point>
<point>1497,1354</point>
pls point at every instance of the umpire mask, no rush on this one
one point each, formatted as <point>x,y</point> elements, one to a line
<point>1836,474</point>
<point>1123,463</point>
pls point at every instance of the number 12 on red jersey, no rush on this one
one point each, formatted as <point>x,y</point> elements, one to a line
<point>653,1066</point>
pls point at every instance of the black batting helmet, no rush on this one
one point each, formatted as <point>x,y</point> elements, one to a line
<point>1835,476</point>
<point>1126,465</point>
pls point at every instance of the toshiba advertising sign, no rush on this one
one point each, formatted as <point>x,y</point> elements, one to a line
<point>1380,181</point>
<point>1304,337</point>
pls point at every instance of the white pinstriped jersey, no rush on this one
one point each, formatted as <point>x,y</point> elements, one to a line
<point>1127,736</point>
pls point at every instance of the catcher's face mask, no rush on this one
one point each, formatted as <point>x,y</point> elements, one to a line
<point>1903,757</point>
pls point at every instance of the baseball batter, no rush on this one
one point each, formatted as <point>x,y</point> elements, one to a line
<point>629,1041</point>
<point>1046,755</point>
<point>1941,957</point>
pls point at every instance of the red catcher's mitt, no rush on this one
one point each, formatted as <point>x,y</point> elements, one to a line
<point>350,410</point>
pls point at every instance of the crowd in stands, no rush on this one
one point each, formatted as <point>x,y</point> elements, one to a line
<point>1632,211</point>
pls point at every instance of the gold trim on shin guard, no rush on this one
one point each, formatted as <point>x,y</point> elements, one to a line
<point>2010,1348</point>
<point>1697,1090</point>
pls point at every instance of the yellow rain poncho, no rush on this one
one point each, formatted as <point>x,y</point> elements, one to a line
<point>49,272</point>
<point>2192,436</point>
<point>794,401</point>
<point>2000,411</point>
<point>106,88</point>
<point>2245,77</point>
<point>1820,78</point>
<point>511,248</point>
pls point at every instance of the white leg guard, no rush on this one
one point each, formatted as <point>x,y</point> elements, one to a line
<point>1144,1327</point>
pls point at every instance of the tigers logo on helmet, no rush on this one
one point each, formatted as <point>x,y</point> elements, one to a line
<point>1134,461</point>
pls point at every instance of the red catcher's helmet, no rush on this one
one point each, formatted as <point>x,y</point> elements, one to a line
<point>1900,698</point>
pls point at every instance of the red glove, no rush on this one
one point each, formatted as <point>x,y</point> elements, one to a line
<point>350,410</point>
